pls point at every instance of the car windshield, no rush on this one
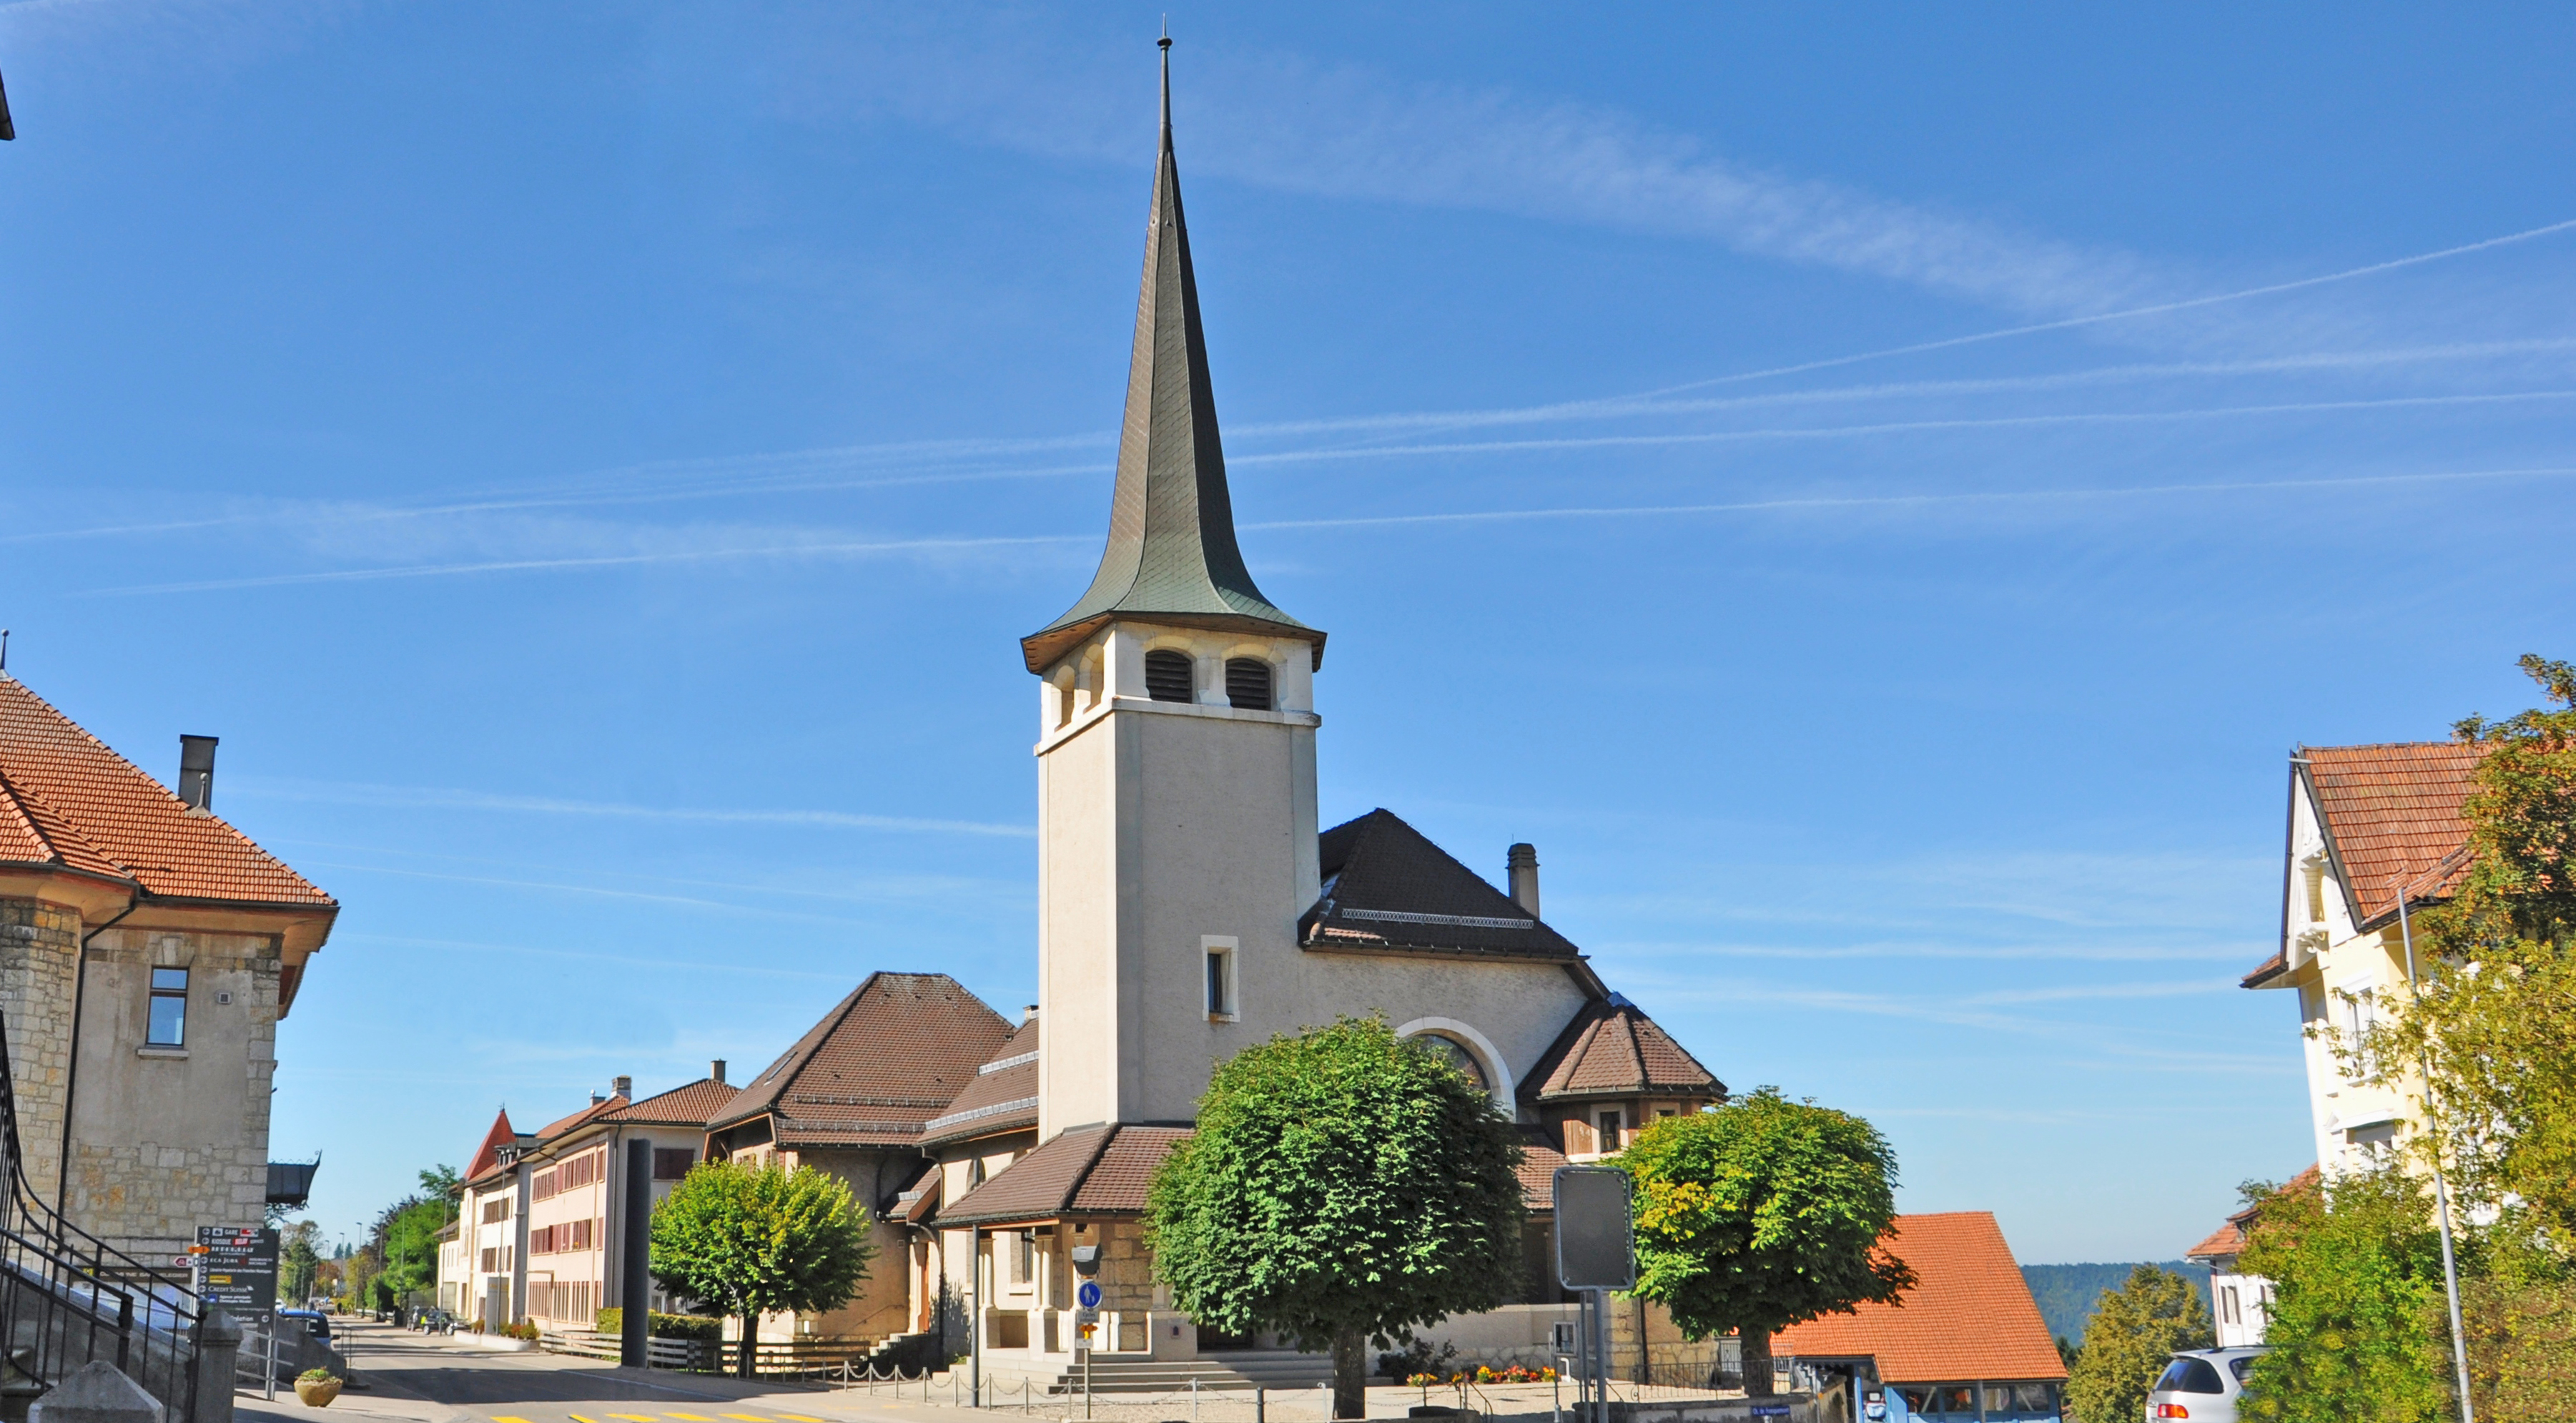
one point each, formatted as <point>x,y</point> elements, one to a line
<point>2189,1375</point>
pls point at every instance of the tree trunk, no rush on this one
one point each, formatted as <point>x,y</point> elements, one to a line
<point>747,1366</point>
<point>1350,1374</point>
<point>1757,1363</point>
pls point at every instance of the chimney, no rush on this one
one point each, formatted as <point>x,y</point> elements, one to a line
<point>625,1087</point>
<point>595,1098</point>
<point>197,772</point>
<point>715,1069</point>
<point>1029,1014</point>
<point>1521,864</point>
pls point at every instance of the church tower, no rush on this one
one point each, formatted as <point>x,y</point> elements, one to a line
<point>1176,750</point>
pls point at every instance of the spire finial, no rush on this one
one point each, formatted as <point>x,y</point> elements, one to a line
<point>1165,45</point>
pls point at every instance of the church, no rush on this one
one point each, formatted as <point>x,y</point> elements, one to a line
<point>1190,905</point>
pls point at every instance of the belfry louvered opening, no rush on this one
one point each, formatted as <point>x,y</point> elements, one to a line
<point>1167,676</point>
<point>1247,683</point>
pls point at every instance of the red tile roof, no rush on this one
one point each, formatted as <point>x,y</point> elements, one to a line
<point>488,1155</point>
<point>100,813</point>
<point>692,1105</point>
<point>1539,1160</point>
<point>886,1059</point>
<point>1614,1049</point>
<point>558,1127</point>
<point>1103,1170</point>
<point>2228,1240</point>
<point>1969,1317</point>
<point>2392,818</point>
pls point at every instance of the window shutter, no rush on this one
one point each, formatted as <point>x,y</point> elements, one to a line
<point>1247,683</point>
<point>1167,676</point>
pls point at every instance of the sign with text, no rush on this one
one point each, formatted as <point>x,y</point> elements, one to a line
<point>1594,1248</point>
<point>240,1265</point>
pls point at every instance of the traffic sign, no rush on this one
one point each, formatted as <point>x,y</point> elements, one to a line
<point>1089,1294</point>
<point>240,1264</point>
<point>1594,1247</point>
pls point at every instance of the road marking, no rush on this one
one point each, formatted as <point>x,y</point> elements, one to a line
<point>748,1417</point>
<point>506,1418</point>
<point>690,1417</point>
<point>800,1418</point>
<point>577,1418</point>
<point>634,1417</point>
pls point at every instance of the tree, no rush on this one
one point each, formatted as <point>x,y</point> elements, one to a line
<point>2358,1325</point>
<point>299,1264</point>
<point>1763,1214</point>
<point>754,1240</point>
<point>1343,1185</point>
<point>2132,1332</point>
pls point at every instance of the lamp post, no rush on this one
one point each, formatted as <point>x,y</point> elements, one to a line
<point>2441,1186</point>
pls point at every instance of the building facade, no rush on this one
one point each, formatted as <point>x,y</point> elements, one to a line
<point>148,950</point>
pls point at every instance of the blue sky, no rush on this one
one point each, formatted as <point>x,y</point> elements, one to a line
<point>1873,493</point>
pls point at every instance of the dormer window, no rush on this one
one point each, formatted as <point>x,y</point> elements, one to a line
<point>1247,683</point>
<point>1167,676</point>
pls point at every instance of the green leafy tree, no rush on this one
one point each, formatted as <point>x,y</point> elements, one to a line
<point>754,1240</point>
<point>2358,1319</point>
<point>2494,1026</point>
<point>1763,1214</point>
<point>1342,1185</point>
<point>2133,1331</point>
<point>299,1264</point>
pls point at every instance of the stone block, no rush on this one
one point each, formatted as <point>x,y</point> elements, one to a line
<point>96,1393</point>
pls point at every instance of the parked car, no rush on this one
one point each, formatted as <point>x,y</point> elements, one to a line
<point>315,1322</point>
<point>2202,1385</point>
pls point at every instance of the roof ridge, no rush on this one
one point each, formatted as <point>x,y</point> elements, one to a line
<point>1108,1134</point>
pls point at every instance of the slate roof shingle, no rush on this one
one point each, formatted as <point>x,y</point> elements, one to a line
<point>885,1060</point>
<point>1612,1049</point>
<point>94,810</point>
<point>1388,888</point>
<point>1969,1317</point>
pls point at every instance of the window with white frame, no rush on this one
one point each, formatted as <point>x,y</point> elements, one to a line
<point>2360,1016</point>
<point>1220,950</point>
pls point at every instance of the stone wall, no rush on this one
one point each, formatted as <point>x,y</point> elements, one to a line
<point>39,946</point>
<point>166,1140</point>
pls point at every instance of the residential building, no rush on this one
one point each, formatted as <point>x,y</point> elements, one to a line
<point>2239,1304</point>
<point>148,950</point>
<point>2365,823</point>
<point>541,1226</point>
<point>1966,1344</point>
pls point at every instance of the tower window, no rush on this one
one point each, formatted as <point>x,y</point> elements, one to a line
<point>1247,683</point>
<point>1167,676</point>
<point>1219,950</point>
<point>168,1024</point>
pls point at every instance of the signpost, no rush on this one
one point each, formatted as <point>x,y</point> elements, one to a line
<point>1595,1254</point>
<point>1086,1315</point>
<point>237,1268</point>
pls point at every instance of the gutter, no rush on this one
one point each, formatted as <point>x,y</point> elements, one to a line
<point>71,1068</point>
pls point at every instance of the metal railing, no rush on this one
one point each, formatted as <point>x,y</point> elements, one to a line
<point>67,1298</point>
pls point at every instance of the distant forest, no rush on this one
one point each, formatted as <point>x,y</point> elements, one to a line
<point>2066,1292</point>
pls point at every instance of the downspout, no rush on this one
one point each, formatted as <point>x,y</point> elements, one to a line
<point>71,1068</point>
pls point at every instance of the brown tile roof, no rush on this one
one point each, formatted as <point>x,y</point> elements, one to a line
<point>2229,1239</point>
<point>584,1117</point>
<point>1539,1160</point>
<point>692,1105</point>
<point>1101,1170</point>
<point>919,1205</point>
<point>1387,888</point>
<point>2265,971</point>
<point>1969,1317</point>
<point>61,777</point>
<point>1614,1049</point>
<point>886,1059</point>
<point>1003,1097</point>
<point>2392,817</point>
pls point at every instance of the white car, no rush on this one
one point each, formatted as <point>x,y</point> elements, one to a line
<point>2201,1385</point>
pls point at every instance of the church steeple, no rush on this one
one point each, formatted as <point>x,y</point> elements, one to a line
<point>1171,556</point>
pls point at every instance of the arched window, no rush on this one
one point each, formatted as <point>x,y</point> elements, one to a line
<point>1247,683</point>
<point>1454,1053</point>
<point>1167,676</point>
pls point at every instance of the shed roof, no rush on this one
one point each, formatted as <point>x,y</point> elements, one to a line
<point>1969,1317</point>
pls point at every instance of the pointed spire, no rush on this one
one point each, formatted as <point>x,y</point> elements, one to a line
<point>1171,556</point>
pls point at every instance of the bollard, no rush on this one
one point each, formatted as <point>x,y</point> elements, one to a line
<point>1260,1405</point>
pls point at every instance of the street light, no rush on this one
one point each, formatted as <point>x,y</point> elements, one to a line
<point>2441,1187</point>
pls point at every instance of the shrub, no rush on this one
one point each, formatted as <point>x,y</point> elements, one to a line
<point>525,1329</point>
<point>2358,1327</point>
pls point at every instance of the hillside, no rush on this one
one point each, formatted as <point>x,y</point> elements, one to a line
<point>2066,1292</point>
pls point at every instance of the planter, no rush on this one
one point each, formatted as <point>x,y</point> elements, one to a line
<point>317,1393</point>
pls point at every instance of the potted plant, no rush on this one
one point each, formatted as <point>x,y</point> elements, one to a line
<point>317,1387</point>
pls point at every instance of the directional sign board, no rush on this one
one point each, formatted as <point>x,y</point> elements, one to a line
<point>1089,1295</point>
<point>241,1266</point>
<point>1594,1249</point>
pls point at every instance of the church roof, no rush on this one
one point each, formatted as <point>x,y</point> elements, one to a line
<point>1612,1049</point>
<point>1094,1170</point>
<point>1388,889</point>
<point>1171,556</point>
<point>884,1061</point>
<point>1003,1097</point>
